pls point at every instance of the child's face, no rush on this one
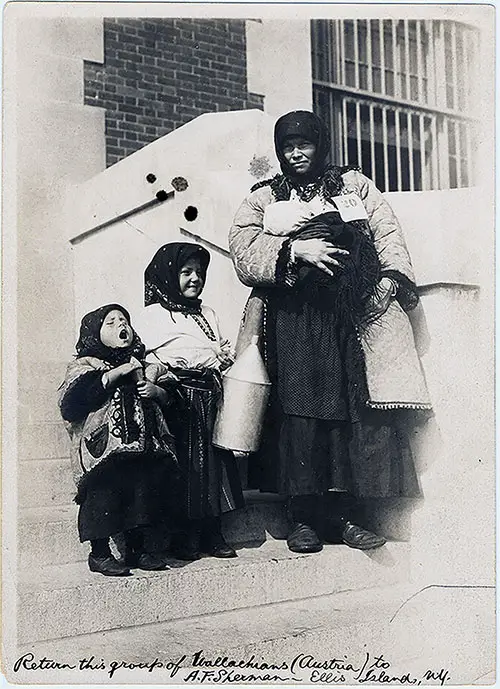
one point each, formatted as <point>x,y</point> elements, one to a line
<point>191,279</point>
<point>116,332</point>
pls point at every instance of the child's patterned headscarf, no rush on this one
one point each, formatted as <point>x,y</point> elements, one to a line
<point>161,277</point>
<point>89,342</point>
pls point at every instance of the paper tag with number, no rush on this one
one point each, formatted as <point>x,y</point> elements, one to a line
<point>350,207</point>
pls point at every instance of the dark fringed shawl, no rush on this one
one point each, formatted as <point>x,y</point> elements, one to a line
<point>350,290</point>
<point>347,295</point>
<point>330,184</point>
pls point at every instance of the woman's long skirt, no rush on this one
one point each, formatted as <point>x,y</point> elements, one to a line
<point>316,436</point>
<point>211,482</point>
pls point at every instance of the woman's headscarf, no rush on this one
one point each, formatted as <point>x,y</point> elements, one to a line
<point>309,126</point>
<point>161,277</point>
<point>89,342</point>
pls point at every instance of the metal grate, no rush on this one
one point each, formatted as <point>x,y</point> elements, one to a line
<point>398,95</point>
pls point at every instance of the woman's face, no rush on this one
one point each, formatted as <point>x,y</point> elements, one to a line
<point>116,332</point>
<point>299,153</point>
<point>191,279</point>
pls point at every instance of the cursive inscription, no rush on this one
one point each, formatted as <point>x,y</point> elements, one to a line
<point>203,668</point>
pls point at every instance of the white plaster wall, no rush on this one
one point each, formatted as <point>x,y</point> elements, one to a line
<point>453,528</point>
<point>279,63</point>
<point>60,142</point>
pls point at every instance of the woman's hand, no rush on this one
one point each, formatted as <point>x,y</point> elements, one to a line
<point>319,253</point>
<point>384,292</point>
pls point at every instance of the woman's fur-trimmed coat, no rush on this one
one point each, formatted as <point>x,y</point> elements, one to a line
<point>394,373</point>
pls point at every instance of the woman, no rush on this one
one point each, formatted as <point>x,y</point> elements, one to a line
<point>182,334</point>
<point>329,303</point>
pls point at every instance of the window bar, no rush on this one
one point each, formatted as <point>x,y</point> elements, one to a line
<point>435,165</point>
<point>423,171</point>
<point>409,125</point>
<point>420,69</point>
<point>441,68</point>
<point>454,64</point>
<point>342,52</point>
<point>372,143</point>
<point>385,146</point>
<point>470,166</point>
<point>329,44</point>
<point>369,54</point>
<point>333,128</point>
<point>397,68</point>
<point>381,39</point>
<point>358,134</point>
<point>407,60</point>
<point>338,79</point>
<point>431,64</point>
<point>340,130</point>
<point>458,154</point>
<point>344,129</point>
<point>444,162</point>
<point>356,54</point>
<point>320,57</point>
<point>398,149</point>
<point>477,61</point>
<point>466,75</point>
<point>314,43</point>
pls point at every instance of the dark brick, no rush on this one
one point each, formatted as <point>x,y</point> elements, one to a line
<point>160,73</point>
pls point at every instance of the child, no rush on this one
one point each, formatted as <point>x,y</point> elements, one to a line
<point>124,460</point>
<point>183,334</point>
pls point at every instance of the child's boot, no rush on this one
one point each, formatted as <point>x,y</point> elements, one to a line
<point>102,561</point>
<point>136,555</point>
<point>213,542</point>
<point>185,544</point>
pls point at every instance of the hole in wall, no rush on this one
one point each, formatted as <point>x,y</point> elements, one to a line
<point>191,213</point>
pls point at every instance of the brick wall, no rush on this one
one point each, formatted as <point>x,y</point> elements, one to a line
<point>160,73</point>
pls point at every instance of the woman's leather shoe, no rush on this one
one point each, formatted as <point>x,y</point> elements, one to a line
<point>356,537</point>
<point>151,563</point>
<point>108,566</point>
<point>303,539</point>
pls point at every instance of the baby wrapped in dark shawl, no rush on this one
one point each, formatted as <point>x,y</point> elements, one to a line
<point>318,302</point>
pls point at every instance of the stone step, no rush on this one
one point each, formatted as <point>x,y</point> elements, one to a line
<point>393,621</point>
<point>67,600</point>
<point>48,535</point>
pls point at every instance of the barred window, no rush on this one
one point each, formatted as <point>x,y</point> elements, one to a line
<point>398,96</point>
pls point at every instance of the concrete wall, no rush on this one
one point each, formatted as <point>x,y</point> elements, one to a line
<point>279,63</point>
<point>221,156</point>
<point>56,141</point>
